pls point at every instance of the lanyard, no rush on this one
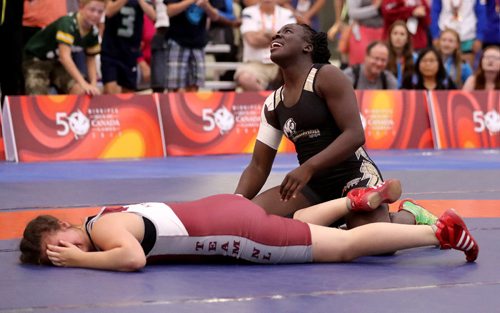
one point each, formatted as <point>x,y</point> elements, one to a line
<point>455,7</point>
<point>273,21</point>
<point>400,68</point>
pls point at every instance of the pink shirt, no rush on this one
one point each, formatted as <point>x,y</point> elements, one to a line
<point>148,32</point>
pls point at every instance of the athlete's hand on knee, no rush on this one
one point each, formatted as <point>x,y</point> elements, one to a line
<point>64,255</point>
<point>294,182</point>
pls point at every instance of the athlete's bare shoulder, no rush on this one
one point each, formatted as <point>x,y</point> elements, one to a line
<point>330,79</point>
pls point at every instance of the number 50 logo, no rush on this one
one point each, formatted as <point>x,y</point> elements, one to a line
<point>490,121</point>
<point>222,118</point>
<point>77,122</point>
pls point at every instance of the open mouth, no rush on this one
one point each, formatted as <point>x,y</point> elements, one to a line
<point>275,45</point>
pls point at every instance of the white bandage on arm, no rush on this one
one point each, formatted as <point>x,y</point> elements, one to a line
<point>268,134</point>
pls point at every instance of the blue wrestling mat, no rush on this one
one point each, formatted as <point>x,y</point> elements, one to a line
<point>417,280</point>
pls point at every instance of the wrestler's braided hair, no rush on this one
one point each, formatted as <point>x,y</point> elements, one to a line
<point>320,53</point>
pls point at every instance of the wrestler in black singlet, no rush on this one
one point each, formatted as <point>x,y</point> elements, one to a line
<point>311,127</point>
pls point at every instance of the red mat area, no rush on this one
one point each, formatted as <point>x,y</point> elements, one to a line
<point>12,223</point>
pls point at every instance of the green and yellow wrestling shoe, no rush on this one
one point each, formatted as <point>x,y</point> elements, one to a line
<point>422,216</point>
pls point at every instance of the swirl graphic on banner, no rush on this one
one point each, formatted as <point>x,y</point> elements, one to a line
<point>212,122</point>
<point>395,119</point>
<point>465,119</point>
<point>67,127</point>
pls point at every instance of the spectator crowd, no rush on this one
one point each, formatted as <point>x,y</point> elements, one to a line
<point>118,46</point>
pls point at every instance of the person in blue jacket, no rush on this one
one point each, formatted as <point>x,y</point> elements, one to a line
<point>466,17</point>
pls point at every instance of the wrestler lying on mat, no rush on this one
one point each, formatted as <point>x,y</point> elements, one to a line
<point>124,238</point>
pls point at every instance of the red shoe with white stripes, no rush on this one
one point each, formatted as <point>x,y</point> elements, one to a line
<point>370,198</point>
<point>453,233</point>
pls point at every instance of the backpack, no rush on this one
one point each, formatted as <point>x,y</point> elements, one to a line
<point>356,69</point>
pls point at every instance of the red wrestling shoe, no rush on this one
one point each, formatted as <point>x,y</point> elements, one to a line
<point>453,233</point>
<point>370,198</point>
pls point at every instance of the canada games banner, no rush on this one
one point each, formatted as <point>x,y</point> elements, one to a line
<point>395,119</point>
<point>212,122</point>
<point>68,127</point>
<point>465,119</point>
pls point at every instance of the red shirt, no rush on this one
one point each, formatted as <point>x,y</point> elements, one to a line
<point>393,10</point>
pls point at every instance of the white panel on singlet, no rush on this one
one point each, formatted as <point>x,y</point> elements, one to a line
<point>268,134</point>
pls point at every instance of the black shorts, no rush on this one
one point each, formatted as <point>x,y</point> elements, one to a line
<point>123,73</point>
<point>339,181</point>
<point>158,57</point>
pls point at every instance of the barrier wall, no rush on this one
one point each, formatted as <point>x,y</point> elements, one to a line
<point>465,119</point>
<point>213,122</point>
<point>43,128</point>
<point>395,119</point>
<point>67,127</point>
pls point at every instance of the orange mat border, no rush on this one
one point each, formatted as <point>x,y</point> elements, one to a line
<point>12,223</point>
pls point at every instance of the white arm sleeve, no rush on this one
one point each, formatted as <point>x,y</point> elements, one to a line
<point>268,134</point>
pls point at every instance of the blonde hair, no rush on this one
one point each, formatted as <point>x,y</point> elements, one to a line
<point>457,57</point>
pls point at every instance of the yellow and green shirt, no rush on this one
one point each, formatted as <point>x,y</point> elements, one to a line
<point>44,44</point>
